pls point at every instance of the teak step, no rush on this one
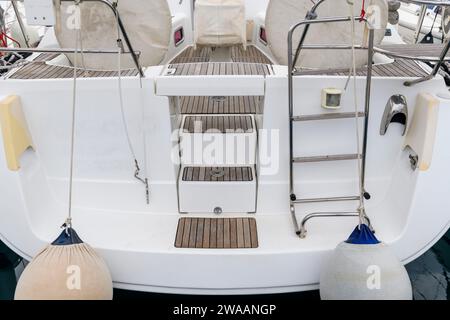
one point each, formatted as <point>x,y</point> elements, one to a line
<point>217,174</point>
<point>217,189</point>
<point>222,124</point>
<point>217,233</point>
<point>220,105</point>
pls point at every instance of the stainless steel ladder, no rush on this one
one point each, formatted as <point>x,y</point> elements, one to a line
<point>292,60</point>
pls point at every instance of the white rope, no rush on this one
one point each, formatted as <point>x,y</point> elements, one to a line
<point>122,110</point>
<point>68,223</point>
<point>355,101</point>
<point>81,45</point>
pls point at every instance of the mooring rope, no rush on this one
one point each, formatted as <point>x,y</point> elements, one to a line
<point>68,223</point>
<point>137,172</point>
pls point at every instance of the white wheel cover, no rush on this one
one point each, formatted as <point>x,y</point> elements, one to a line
<point>148,24</point>
<point>282,14</point>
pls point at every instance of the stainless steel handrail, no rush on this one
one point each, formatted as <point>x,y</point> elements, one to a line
<point>310,15</point>
<point>303,231</point>
<point>420,21</point>
<point>370,53</point>
<point>428,2</point>
<point>331,199</point>
<point>391,54</point>
<point>59,50</point>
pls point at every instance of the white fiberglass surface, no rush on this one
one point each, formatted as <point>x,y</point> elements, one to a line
<point>104,186</point>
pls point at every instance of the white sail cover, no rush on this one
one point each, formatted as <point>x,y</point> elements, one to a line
<point>148,25</point>
<point>220,23</point>
<point>282,14</point>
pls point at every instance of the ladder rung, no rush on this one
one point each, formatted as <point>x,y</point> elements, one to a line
<point>328,116</point>
<point>331,199</point>
<point>338,157</point>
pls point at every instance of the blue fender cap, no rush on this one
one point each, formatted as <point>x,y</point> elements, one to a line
<point>67,237</point>
<point>362,235</point>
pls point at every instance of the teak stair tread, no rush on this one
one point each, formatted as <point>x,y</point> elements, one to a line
<point>217,233</point>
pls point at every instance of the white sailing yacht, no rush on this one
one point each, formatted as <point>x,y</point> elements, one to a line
<point>228,157</point>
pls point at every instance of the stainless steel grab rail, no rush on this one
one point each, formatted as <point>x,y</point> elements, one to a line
<point>303,231</point>
<point>311,15</point>
<point>392,54</point>
<point>59,50</point>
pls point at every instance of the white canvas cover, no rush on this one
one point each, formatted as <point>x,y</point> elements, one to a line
<point>69,272</point>
<point>220,23</point>
<point>148,25</point>
<point>282,14</point>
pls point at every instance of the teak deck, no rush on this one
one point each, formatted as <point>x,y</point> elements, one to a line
<point>220,105</point>
<point>220,69</point>
<point>399,68</point>
<point>218,124</point>
<point>418,50</point>
<point>251,55</point>
<point>245,62</point>
<point>238,54</point>
<point>217,233</point>
<point>39,69</point>
<point>191,55</point>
